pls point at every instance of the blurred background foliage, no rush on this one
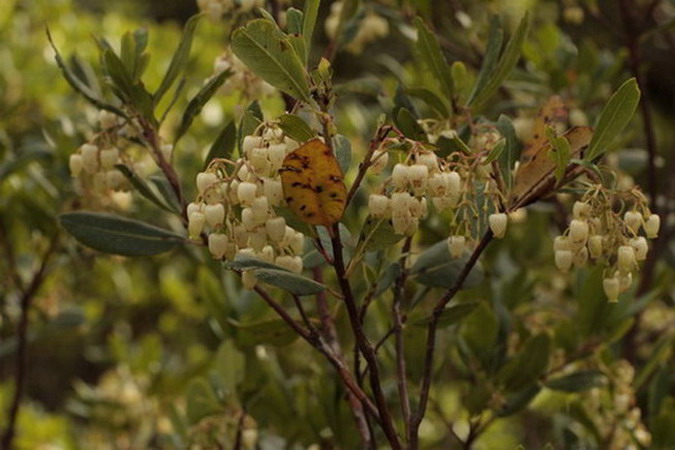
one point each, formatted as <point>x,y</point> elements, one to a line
<point>152,353</point>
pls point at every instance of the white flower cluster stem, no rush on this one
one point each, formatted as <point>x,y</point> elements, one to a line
<point>237,211</point>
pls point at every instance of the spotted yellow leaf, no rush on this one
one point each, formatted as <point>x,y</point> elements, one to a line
<point>313,184</point>
<point>536,177</point>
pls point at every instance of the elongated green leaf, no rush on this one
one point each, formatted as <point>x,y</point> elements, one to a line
<point>435,267</point>
<point>270,332</point>
<point>242,262</point>
<point>179,59</point>
<point>494,46</point>
<point>296,128</point>
<point>431,55</point>
<point>511,152</point>
<point>294,21</point>
<point>577,381</point>
<point>343,151</point>
<point>124,87</point>
<point>250,121</point>
<point>614,117</point>
<point>268,53</point>
<point>310,13</point>
<point>78,85</point>
<point>142,187</point>
<point>406,122</point>
<point>451,315</point>
<point>293,283</point>
<point>506,64</point>
<point>224,145</point>
<point>202,401</point>
<point>430,98</point>
<point>166,191</point>
<point>109,233</point>
<point>196,104</point>
<point>530,363</point>
<point>560,152</point>
<point>378,234</point>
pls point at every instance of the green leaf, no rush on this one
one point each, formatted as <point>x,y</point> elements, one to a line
<point>435,267</point>
<point>291,282</point>
<point>201,401</point>
<point>296,128</point>
<point>310,13</point>
<point>294,21</point>
<point>271,332</point>
<point>560,153</point>
<point>614,117</point>
<point>109,233</point>
<point>517,401</point>
<point>430,98</point>
<point>530,363</point>
<point>387,278</point>
<point>451,315</point>
<point>143,188</point>
<point>179,59</point>
<point>432,57</point>
<point>224,145</point>
<point>494,46</point>
<point>269,54</point>
<point>78,85</point>
<point>506,64</point>
<point>510,155</point>
<point>229,368</point>
<point>407,124</point>
<point>166,190</point>
<point>577,381</point>
<point>343,151</point>
<point>378,234</point>
<point>196,104</point>
<point>124,87</point>
<point>250,121</point>
<point>243,262</point>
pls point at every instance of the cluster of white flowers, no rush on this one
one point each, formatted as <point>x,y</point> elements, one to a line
<point>242,80</point>
<point>216,9</point>
<point>370,28</point>
<point>93,165</point>
<point>597,233</point>
<point>236,209</point>
<point>422,179</point>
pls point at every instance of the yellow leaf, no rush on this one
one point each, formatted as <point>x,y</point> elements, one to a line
<point>535,177</point>
<point>313,184</point>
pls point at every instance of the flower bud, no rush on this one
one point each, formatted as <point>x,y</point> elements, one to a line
<point>276,154</point>
<point>402,223</point>
<point>260,207</point>
<point>380,159</point>
<point>640,246</point>
<point>290,263</point>
<point>578,231</point>
<point>498,223</point>
<point>625,281</point>
<point>298,243</point>
<point>291,145</point>
<point>633,220</point>
<point>454,183</point>
<point>399,176</point>
<point>258,159</point>
<point>217,245</point>
<point>400,204</point>
<point>247,220</point>
<point>273,190</point>
<point>456,246</point>
<point>611,286</point>
<point>240,235</point>
<point>89,158</point>
<point>626,258</point>
<point>418,175</point>
<point>437,184</point>
<point>561,243</point>
<point>246,192</point>
<point>106,119</point>
<point>563,260</point>
<point>109,157</point>
<point>114,179</point>
<point>581,210</point>
<point>249,143</point>
<point>196,222</point>
<point>378,205</point>
<point>267,253</point>
<point>652,225</point>
<point>595,246</point>
<point>215,214</point>
<point>276,228</point>
<point>428,159</point>
<point>75,164</point>
<point>248,279</point>
<point>257,239</point>
<point>205,180</point>
<point>581,257</point>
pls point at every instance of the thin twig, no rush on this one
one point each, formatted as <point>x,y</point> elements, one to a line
<point>238,441</point>
<point>380,134</point>
<point>22,343</point>
<point>363,343</point>
<point>431,337</point>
